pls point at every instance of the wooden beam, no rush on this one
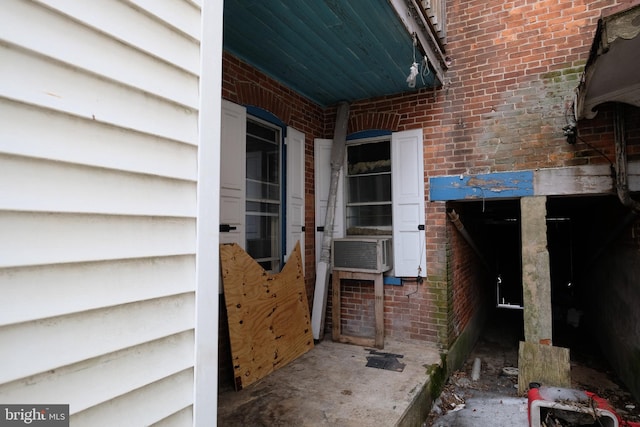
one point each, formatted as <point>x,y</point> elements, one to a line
<point>587,179</point>
<point>482,186</point>
<point>574,180</point>
<point>536,270</point>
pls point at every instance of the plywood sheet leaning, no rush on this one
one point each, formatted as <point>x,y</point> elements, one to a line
<point>269,322</point>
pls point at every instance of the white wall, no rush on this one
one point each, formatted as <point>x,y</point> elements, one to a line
<point>100,105</point>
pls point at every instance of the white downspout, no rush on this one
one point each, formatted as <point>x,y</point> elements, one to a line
<point>323,269</point>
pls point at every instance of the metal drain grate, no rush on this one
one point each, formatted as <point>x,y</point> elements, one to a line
<point>386,361</point>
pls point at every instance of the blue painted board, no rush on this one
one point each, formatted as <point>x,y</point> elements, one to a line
<point>391,280</point>
<point>483,186</point>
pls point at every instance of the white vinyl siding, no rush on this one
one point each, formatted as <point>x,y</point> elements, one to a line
<point>98,205</point>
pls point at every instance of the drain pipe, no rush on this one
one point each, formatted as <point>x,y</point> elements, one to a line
<point>622,182</point>
<point>455,219</point>
<point>622,175</point>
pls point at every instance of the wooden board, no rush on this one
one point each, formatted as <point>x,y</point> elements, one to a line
<point>268,314</point>
<point>543,364</point>
<point>481,186</point>
<point>378,286</point>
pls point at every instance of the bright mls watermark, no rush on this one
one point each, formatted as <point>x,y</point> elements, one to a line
<point>34,415</point>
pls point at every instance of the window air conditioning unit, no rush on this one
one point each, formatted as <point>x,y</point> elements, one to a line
<point>368,255</point>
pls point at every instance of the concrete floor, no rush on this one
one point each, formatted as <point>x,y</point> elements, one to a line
<point>332,386</point>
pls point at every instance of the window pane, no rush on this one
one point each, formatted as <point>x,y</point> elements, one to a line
<point>368,198</point>
<point>261,131</point>
<point>262,160</point>
<point>262,237</point>
<point>260,190</point>
<point>370,188</point>
<point>263,188</point>
<point>369,220</point>
<point>369,158</point>
<point>271,208</point>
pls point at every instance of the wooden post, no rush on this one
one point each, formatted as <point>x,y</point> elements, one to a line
<point>536,273</point>
<point>538,361</point>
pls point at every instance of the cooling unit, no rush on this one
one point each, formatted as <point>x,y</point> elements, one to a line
<point>368,255</point>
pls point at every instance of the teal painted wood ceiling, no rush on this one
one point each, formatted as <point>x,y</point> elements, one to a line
<point>327,50</point>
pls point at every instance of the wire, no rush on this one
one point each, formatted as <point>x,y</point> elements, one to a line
<point>425,67</point>
<point>596,150</point>
<point>415,43</point>
<point>417,286</point>
<point>572,123</point>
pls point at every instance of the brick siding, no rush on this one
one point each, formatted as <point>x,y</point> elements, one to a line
<point>502,106</point>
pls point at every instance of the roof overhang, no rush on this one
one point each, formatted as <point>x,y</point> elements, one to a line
<point>331,51</point>
<point>612,72</point>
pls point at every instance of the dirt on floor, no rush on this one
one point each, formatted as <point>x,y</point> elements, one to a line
<point>497,350</point>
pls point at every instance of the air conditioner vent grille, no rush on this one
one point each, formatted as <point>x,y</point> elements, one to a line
<point>366,255</point>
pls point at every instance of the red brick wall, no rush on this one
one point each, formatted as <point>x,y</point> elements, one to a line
<point>357,308</point>
<point>515,65</point>
<point>468,286</point>
<point>503,105</point>
<point>501,108</point>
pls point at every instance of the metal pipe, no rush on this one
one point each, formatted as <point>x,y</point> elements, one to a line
<point>323,268</point>
<point>622,175</point>
<point>337,160</point>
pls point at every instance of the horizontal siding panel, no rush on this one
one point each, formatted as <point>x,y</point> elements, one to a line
<point>99,167</point>
<point>92,143</point>
<point>182,15</point>
<point>179,419</point>
<point>71,339</point>
<point>142,407</point>
<point>61,187</point>
<point>40,238</point>
<point>33,293</point>
<point>110,376</point>
<point>94,52</point>
<point>37,81</point>
<point>146,34</point>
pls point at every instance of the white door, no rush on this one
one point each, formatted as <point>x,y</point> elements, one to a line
<point>295,191</point>
<point>407,170</point>
<point>233,173</point>
<point>322,165</point>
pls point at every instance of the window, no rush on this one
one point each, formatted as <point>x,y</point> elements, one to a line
<point>368,192</point>
<point>383,195</point>
<point>262,189</point>
<point>263,194</point>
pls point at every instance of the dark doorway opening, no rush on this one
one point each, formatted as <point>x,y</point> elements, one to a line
<point>585,237</point>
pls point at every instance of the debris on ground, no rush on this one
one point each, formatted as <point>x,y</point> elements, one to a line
<point>498,350</point>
